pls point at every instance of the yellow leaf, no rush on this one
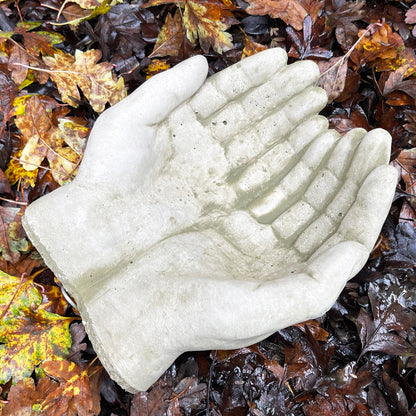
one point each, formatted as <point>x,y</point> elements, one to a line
<point>16,172</point>
<point>157,65</point>
<point>251,48</point>
<point>83,71</point>
<point>28,334</point>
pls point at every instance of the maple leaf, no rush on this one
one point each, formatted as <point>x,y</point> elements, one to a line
<point>25,397</point>
<point>74,395</point>
<point>170,37</point>
<point>46,134</point>
<point>290,11</point>
<point>28,333</point>
<point>12,236</point>
<point>205,21</point>
<point>83,71</point>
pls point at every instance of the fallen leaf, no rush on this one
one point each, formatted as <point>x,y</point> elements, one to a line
<point>315,328</point>
<point>13,239</point>
<point>28,334</point>
<point>73,396</point>
<point>170,37</point>
<point>155,67</point>
<point>378,47</point>
<point>343,18</point>
<point>205,21</point>
<point>290,11</point>
<point>251,47</point>
<point>411,18</point>
<point>386,329</point>
<point>83,71</point>
<point>333,76</point>
<point>15,172</point>
<point>25,397</point>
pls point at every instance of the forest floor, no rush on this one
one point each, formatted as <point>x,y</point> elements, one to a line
<point>359,358</point>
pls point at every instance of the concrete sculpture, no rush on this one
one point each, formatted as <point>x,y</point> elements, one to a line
<point>208,214</point>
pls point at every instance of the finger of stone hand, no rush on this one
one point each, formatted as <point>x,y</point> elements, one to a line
<point>372,152</point>
<point>272,166</point>
<point>287,192</point>
<point>287,299</point>
<point>237,79</point>
<point>253,142</point>
<point>366,215</point>
<point>265,100</point>
<point>162,93</point>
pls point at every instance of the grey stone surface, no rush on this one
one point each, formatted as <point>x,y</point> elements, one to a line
<point>207,214</point>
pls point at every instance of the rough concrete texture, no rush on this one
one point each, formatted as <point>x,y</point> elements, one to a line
<point>208,214</point>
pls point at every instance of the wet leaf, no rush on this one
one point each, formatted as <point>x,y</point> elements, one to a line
<point>156,66</point>
<point>386,329</point>
<point>13,241</point>
<point>170,36</point>
<point>28,334</point>
<point>83,71</point>
<point>290,11</point>
<point>251,47</point>
<point>16,173</point>
<point>205,21</point>
<point>25,397</point>
<point>73,396</point>
<point>333,76</point>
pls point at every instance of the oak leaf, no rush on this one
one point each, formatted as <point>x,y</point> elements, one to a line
<point>290,11</point>
<point>205,21</point>
<point>28,333</point>
<point>83,71</point>
<point>74,395</point>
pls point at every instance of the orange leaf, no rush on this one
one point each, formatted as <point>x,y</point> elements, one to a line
<point>74,395</point>
<point>251,48</point>
<point>290,11</point>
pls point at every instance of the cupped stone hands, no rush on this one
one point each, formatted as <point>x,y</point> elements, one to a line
<point>208,214</point>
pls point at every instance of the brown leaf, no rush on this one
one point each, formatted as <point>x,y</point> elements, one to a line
<point>290,11</point>
<point>379,48</point>
<point>315,328</point>
<point>333,76</point>
<point>24,396</point>
<point>206,21</point>
<point>73,396</point>
<point>170,37</point>
<point>342,20</point>
<point>411,18</point>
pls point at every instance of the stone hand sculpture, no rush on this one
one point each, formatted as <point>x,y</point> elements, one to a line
<point>208,214</point>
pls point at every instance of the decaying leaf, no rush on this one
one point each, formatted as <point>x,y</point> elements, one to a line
<point>290,11</point>
<point>83,71</point>
<point>47,134</point>
<point>13,239</point>
<point>333,76</point>
<point>28,333</point>
<point>15,172</point>
<point>74,395</point>
<point>205,21</point>
<point>411,18</point>
<point>156,66</point>
<point>251,47</point>
<point>386,330</point>
<point>170,37</point>
<point>379,47</point>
